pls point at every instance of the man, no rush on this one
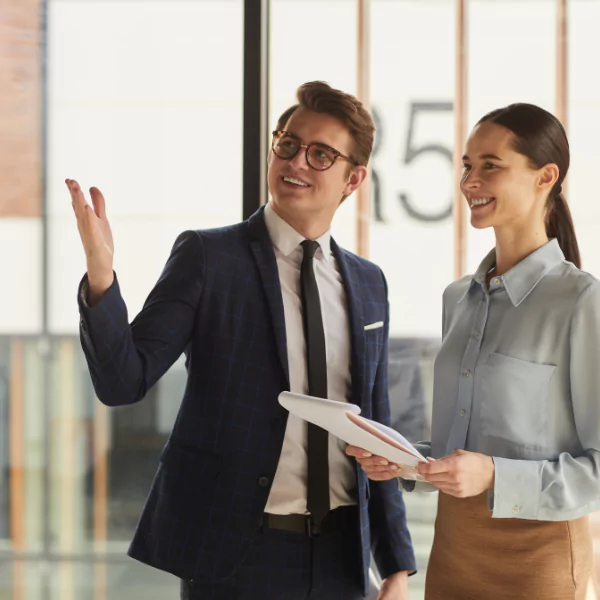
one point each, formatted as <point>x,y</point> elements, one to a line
<point>248,501</point>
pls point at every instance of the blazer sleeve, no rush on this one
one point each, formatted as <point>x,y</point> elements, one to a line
<point>126,360</point>
<point>390,538</point>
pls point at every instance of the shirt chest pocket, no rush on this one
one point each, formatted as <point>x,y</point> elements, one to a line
<point>514,400</point>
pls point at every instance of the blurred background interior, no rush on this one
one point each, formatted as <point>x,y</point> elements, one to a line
<point>167,106</point>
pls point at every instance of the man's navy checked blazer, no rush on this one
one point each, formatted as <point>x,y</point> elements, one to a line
<point>219,300</point>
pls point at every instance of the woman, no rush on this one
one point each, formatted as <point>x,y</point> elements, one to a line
<point>516,410</point>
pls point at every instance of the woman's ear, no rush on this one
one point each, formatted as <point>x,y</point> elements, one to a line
<point>548,176</point>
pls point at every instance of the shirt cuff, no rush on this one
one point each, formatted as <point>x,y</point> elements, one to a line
<point>84,293</point>
<point>84,289</point>
<point>517,488</point>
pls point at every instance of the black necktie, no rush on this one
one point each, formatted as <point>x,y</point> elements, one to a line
<point>317,501</point>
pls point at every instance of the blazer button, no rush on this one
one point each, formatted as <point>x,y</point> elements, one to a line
<point>264,481</point>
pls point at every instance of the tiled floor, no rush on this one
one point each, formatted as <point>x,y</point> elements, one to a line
<point>33,580</point>
<point>129,580</point>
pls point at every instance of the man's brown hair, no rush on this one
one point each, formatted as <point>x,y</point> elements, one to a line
<point>320,97</point>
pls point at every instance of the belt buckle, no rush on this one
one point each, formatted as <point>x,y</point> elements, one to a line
<point>312,529</point>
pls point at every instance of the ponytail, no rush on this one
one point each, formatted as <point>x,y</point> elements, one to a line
<point>559,225</point>
<point>539,136</point>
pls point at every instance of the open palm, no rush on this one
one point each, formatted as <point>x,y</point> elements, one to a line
<point>95,232</point>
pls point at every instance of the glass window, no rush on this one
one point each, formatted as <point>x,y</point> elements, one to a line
<point>314,40</point>
<point>150,119</point>
<point>145,100</point>
<point>501,72</point>
<point>140,107</point>
<point>411,237</point>
<point>584,129</point>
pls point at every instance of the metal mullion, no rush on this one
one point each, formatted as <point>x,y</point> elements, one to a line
<point>460,133</point>
<point>561,61</point>
<point>363,194</point>
<point>256,105</point>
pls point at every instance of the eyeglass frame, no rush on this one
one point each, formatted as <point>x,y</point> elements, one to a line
<point>278,133</point>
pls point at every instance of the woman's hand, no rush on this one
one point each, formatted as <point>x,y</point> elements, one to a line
<point>377,468</point>
<point>461,474</point>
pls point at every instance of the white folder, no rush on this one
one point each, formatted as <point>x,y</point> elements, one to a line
<point>343,420</point>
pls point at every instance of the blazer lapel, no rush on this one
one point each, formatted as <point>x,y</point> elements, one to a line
<point>262,249</point>
<point>357,328</point>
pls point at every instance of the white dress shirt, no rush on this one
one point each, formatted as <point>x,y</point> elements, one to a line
<point>288,492</point>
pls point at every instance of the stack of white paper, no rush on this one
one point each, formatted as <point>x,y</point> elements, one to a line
<point>342,420</point>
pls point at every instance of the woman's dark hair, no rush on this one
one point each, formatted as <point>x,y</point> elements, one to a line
<point>540,136</point>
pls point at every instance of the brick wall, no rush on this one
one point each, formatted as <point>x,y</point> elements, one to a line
<point>20,108</point>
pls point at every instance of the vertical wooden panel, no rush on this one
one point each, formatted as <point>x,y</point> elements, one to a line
<point>562,108</point>
<point>460,133</point>
<point>67,443</point>
<point>363,194</point>
<point>16,447</point>
<point>100,580</point>
<point>562,79</point>
<point>66,580</point>
<point>66,455</point>
<point>100,476</point>
<point>19,573</point>
<point>20,109</point>
<point>561,61</point>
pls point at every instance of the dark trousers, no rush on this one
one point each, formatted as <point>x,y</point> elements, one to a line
<point>283,565</point>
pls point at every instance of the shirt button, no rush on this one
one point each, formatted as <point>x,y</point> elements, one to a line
<point>476,335</point>
<point>463,413</point>
<point>496,281</point>
<point>467,373</point>
<point>264,481</point>
<point>516,509</point>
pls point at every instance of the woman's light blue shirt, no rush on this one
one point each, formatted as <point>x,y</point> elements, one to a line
<point>518,378</point>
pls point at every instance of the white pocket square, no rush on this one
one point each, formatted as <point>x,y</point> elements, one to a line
<point>376,325</point>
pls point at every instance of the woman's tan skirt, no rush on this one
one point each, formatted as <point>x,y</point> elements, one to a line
<point>476,557</point>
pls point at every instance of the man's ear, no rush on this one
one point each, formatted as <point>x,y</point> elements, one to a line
<point>355,178</point>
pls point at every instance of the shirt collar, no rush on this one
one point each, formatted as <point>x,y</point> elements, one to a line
<point>520,281</point>
<point>286,239</point>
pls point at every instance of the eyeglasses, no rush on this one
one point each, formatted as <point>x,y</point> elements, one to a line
<point>318,156</point>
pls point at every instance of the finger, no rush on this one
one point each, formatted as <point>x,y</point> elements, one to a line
<point>77,198</point>
<point>380,468</point>
<point>357,452</point>
<point>451,490</point>
<point>365,458</point>
<point>382,476</point>
<point>438,466</point>
<point>376,461</point>
<point>370,470</point>
<point>441,478</point>
<point>98,202</point>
